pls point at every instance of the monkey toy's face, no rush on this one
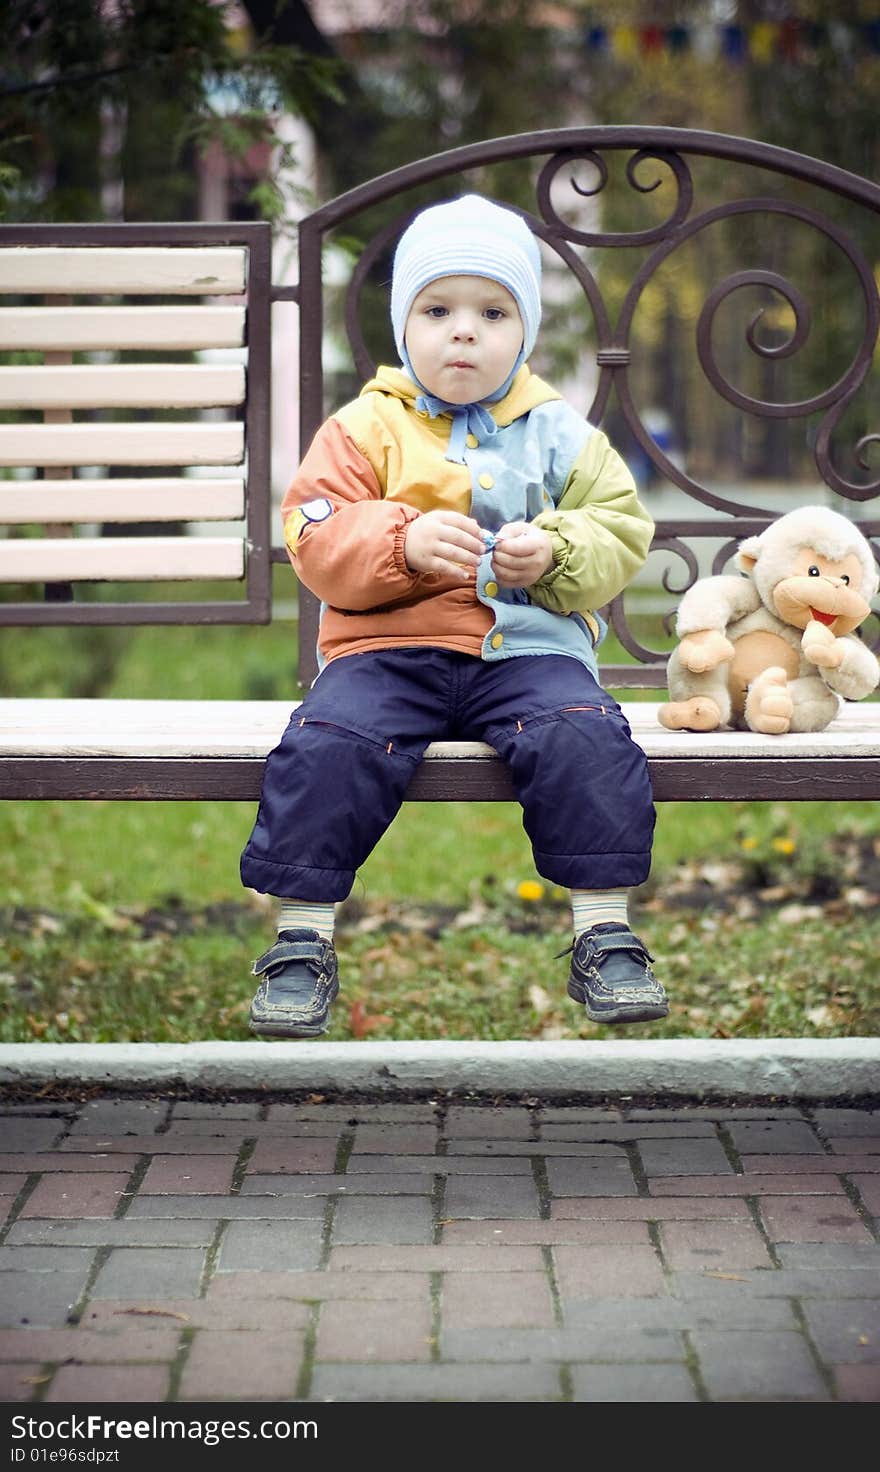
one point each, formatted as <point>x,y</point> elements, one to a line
<point>817,588</point>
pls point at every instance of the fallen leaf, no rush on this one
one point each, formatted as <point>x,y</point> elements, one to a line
<point>540,999</point>
<point>717,875</point>
<point>363,1022</point>
<point>797,914</point>
<point>159,1313</point>
<point>775,892</point>
<point>728,1277</point>
<point>860,899</point>
<point>47,925</point>
<point>475,914</point>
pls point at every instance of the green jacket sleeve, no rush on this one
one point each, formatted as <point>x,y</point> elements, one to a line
<point>600,532</point>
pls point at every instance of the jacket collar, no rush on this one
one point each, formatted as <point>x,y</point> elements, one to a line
<point>526,391</point>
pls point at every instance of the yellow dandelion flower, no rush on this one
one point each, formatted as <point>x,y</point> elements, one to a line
<point>748,844</point>
<point>784,845</point>
<point>530,890</point>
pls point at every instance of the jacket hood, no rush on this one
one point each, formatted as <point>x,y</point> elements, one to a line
<point>524,394</point>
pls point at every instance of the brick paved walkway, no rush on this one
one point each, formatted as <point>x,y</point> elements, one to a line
<point>160,1250</point>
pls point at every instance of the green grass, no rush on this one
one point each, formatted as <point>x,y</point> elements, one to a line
<point>186,854</point>
<point>108,979</point>
<point>757,915</point>
<point>189,663</point>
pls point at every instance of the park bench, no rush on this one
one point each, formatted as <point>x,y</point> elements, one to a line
<point>135,383</point>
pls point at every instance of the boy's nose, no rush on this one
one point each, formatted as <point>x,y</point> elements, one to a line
<point>464,327</point>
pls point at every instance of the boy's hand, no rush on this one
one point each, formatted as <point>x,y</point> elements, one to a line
<point>443,542</point>
<point>522,554</point>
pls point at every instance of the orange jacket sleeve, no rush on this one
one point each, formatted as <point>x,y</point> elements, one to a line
<point>352,556</point>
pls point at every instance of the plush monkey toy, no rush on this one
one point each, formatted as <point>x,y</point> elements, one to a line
<point>774,651</point>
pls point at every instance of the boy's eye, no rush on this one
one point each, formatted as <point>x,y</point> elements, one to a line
<point>494,314</point>
<point>437,312</point>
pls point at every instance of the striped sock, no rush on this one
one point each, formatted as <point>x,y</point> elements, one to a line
<point>591,907</point>
<point>307,915</point>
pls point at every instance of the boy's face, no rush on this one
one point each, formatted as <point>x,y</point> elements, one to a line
<point>463,335</point>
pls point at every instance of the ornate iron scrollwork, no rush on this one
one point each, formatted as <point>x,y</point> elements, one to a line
<point>570,157</point>
<point>656,156</point>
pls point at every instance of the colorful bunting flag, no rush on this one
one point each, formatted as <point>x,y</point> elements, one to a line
<point>763,42</point>
<point>733,42</point>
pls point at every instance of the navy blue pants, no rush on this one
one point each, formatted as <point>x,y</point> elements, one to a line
<point>340,772</point>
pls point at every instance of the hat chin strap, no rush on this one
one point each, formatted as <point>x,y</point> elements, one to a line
<point>466,418</point>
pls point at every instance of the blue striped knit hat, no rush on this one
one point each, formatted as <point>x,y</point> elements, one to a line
<point>469,236</point>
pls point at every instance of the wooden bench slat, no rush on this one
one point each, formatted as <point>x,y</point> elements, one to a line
<point>120,559</point>
<point>34,502</point>
<point>250,728</point>
<point>123,386</point>
<point>239,779</point>
<point>108,271</point>
<point>78,329</point>
<point>122,444</point>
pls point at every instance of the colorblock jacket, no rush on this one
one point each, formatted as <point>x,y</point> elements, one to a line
<point>380,461</point>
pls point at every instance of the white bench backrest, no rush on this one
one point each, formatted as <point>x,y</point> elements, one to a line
<point>114,409</point>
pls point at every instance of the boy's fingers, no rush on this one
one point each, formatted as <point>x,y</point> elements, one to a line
<point>456,558</point>
<point>511,563</point>
<point>517,546</point>
<point>452,569</point>
<point>462,522</point>
<point>471,546</point>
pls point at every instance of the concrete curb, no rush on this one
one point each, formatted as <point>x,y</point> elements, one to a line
<point>782,1068</point>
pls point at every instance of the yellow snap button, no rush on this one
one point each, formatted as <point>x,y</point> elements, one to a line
<point>491,589</point>
<point>497,641</point>
<point>487,481</point>
<point>472,441</point>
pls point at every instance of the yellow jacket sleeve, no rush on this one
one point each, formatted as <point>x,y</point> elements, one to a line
<point>600,532</point>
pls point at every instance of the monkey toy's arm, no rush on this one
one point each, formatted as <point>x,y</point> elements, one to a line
<point>706,611</point>
<point>847,666</point>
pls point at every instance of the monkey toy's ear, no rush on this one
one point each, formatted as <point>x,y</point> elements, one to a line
<point>747,554</point>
